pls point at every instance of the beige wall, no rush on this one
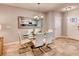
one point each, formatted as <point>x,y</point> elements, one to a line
<point>64,24</point>
<point>72,27</point>
<point>58,23</point>
<point>54,22</point>
<point>50,20</point>
<point>8,18</point>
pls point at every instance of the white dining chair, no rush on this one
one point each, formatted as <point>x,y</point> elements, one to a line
<point>49,39</point>
<point>22,37</point>
<point>23,47</point>
<point>39,42</point>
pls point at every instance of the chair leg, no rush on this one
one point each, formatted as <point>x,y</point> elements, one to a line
<point>49,47</point>
<point>32,52</point>
<point>39,49</point>
<point>42,50</point>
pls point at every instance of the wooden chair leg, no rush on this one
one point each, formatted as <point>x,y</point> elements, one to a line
<point>49,47</point>
<point>32,51</point>
<point>42,50</point>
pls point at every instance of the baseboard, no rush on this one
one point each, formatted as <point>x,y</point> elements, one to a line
<point>11,43</point>
<point>65,37</point>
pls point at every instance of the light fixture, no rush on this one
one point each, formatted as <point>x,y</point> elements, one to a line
<point>69,8</point>
<point>37,16</point>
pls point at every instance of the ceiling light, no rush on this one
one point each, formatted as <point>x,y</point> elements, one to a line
<point>69,8</point>
<point>37,16</point>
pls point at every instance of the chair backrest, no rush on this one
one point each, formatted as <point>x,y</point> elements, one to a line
<point>49,37</point>
<point>21,37</point>
<point>20,34</point>
<point>37,31</point>
<point>39,40</point>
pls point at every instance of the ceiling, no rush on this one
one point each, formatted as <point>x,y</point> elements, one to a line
<point>43,7</point>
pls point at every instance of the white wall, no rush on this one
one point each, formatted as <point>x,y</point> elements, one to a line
<point>50,20</point>
<point>72,28</point>
<point>64,24</point>
<point>54,22</point>
<point>8,17</point>
<point>58,18</point>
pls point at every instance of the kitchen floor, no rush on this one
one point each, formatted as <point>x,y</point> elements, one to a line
<point>61,46</point>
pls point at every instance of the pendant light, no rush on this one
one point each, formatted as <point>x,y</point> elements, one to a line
<point>37,16</point>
